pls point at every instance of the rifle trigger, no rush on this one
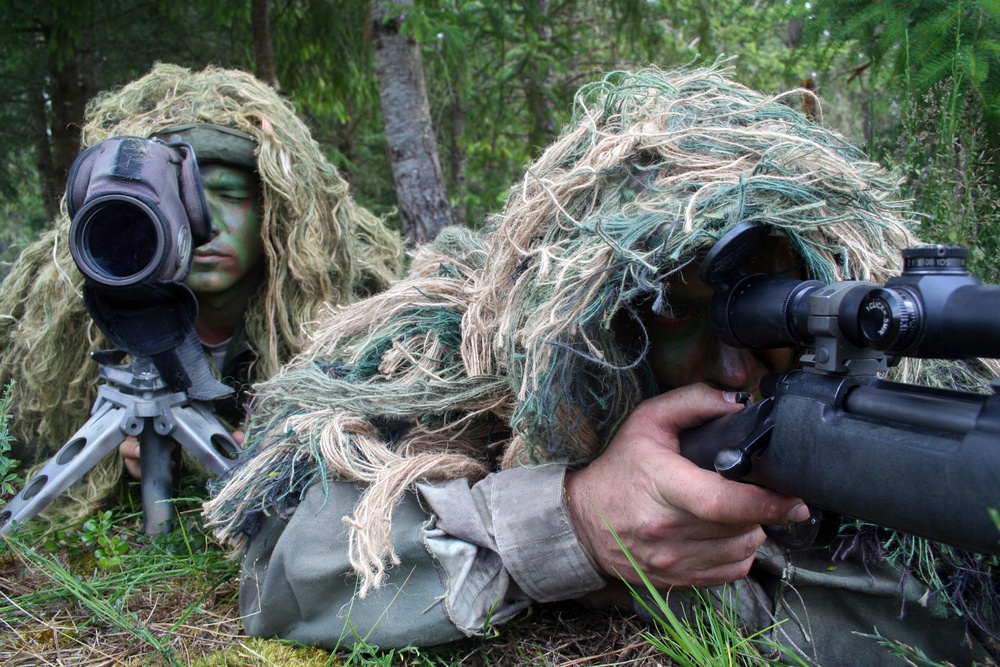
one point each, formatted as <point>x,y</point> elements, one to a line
<point>735,463</point>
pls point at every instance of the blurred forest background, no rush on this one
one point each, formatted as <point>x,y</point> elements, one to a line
<point>916,83</point>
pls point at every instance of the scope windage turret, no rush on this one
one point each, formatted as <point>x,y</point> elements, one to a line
<point>138,210</point>
<point>934,309</point>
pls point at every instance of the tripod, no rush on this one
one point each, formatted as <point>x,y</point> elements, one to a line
<point>133,400</point>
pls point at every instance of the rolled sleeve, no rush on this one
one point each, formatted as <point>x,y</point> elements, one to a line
<point>505,542</point>
<point>535,538</point>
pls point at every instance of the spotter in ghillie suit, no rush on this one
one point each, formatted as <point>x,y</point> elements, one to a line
<point>318,247</point>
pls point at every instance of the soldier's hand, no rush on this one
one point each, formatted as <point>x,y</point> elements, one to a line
<point>129,451</point>
<point>684,526</point>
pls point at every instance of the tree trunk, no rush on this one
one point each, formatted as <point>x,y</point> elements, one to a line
<point>70,87</point>
<point>416,171</point>
<point>457,157</point>
<point>263,45</point>
<point>539,81</point>
<point>52,188</point>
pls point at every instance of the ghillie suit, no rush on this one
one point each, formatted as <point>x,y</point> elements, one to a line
<point>320,247</point>
<point>498,350</point>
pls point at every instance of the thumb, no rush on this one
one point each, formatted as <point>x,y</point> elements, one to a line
<point>687,407</point>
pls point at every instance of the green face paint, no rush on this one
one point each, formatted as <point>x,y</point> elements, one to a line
<point>683,348</point>
<point>228,261</point>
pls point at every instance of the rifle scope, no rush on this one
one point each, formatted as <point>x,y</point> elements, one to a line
<point>934,309</point>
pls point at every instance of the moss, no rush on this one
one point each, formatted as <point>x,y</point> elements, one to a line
<point>258,652</point>
<point>81,564</point>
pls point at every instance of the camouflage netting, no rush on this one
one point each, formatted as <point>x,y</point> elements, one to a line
<point>498,350</point>
<point>320,247</point>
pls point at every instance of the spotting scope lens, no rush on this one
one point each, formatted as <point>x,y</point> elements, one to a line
<point>118,241</point>
<point>137,210</point>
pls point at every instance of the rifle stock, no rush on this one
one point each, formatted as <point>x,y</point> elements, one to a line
<point>919,460</point>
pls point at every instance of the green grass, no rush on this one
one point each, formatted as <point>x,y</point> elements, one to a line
<point>171,600</point>
<point>9,479</point>
<point>100,590</point>
<point>148,590</point>
<point>703,633</point>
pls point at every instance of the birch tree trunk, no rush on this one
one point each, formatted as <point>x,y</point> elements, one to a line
<point>416,170</point>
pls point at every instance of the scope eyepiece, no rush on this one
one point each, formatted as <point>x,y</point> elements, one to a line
<point>764,312</point>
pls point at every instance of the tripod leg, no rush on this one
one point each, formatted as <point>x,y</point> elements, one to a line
<point>157,482</point>
<point>196,428</point>
<point>100,435</point>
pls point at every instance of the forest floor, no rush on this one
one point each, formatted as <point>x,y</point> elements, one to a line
<point>103,594</point>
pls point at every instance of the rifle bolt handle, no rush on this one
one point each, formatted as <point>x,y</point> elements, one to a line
<point>732,463</point>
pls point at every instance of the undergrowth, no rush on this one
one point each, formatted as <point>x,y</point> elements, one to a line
<point>9,479</point>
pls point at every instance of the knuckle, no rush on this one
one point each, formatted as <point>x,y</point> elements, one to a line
<point>738,570</point>
<point>713,504</point>
<point>654,529</point>
<point>725,574</point>
<point>751,542</point>
<point>665,564</point>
